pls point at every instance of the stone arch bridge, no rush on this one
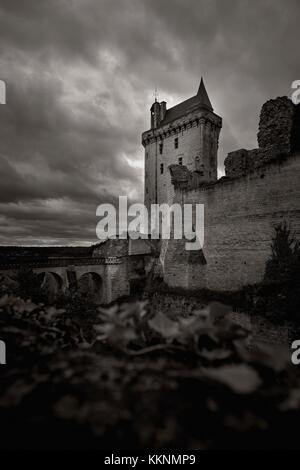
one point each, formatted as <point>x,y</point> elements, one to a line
<point>103,279</point>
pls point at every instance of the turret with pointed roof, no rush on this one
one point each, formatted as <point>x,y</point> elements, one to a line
<point>202,96</point>
<point>186,134</point>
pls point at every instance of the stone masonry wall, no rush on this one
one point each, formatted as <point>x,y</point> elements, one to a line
<point>276,124</point>
<point>188,148</point>
<point>261,189</point>
<point>194,131</point>
<point>276,138</point>
<point>117,281</point>
<point>240,215</point>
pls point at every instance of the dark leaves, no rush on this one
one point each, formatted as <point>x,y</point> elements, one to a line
<point>139,378</point>
<point>241,378</point>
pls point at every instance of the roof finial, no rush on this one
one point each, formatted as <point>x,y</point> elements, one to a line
<point>155,94</point>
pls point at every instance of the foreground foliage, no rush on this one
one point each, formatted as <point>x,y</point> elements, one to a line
<point>129,377</point>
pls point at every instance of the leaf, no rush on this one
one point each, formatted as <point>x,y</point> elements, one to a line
<point>164,326</point>
<point>245,422</point>
<point>240,378</point>
<point>192,329</point>
<point>133,309</point>
<point>218,310</point>
<point>275,356</point>
<point>29,306</point>
<point>118,335</point>
<point>108,314</point>
<point>67,407</point>
<point>216,354</point>
<point>53,312</point>
<point>18,305</point>
<point>229,331</point>
<point>14,394</point>
<point>202,313</point>
<point>292,402</point>
<point>4,300</point>
<point>105,329</point>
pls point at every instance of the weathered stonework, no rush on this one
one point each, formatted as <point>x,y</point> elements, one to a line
<point>261,189</point>
<point>187,134</point>
<point>108,272</point>
<point>236,163</point>
<point>276,124</point>
<point>182,178</point>
<point>277,138</point>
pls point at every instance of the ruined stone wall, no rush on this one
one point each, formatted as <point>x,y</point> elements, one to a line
<point>276,124</point>
<point>278,137</point>
<point>240,215</point>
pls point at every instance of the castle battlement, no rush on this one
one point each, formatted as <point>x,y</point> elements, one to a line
<point>192,119</point>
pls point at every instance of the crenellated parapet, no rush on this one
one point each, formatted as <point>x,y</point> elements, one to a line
<point>202,119</point>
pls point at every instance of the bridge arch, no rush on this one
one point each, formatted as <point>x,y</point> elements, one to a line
<point>51,283</point>
<point>91,285</point>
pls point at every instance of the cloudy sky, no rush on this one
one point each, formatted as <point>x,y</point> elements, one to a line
<point>80,76</point>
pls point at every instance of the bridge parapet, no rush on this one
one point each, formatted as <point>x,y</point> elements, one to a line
<point>60,262</point>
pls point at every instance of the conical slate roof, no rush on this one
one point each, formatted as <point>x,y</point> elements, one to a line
<point>203,96</point>
<point>197,101</point>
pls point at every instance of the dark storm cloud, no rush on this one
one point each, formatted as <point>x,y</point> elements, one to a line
<point>80,77</point>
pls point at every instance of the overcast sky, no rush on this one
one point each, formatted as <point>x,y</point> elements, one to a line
<point>80,76</point>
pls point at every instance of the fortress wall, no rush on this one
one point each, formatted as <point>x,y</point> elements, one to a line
<point>117,281</point>
<point>240,215</point>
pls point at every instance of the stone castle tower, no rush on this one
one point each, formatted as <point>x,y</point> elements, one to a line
<point>186,134</point>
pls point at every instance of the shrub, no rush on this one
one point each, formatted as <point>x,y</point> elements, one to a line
<point>279,295</point>
<point>284,264</point>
